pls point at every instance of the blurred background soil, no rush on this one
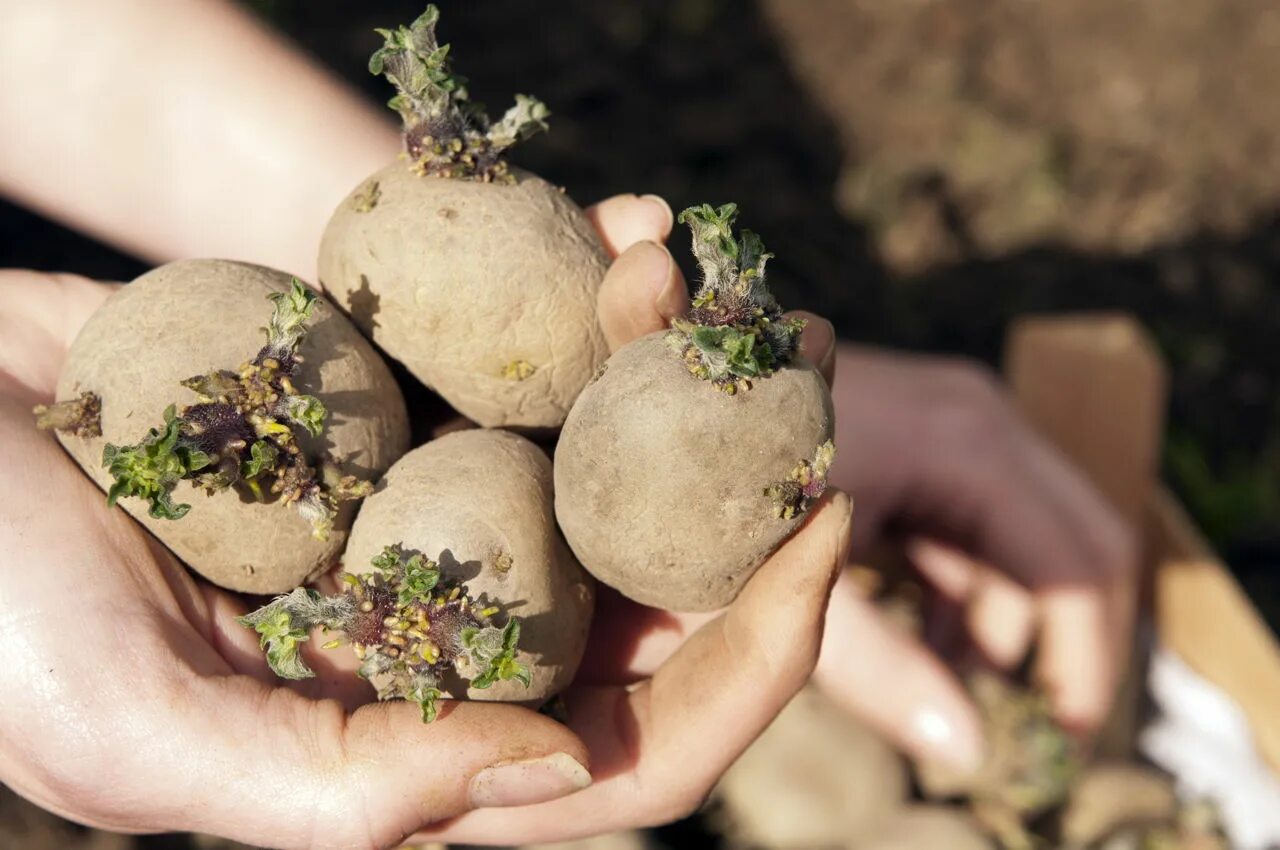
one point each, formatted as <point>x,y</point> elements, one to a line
<point>925,170</point>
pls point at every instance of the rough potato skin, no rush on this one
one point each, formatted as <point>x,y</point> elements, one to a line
<point>459,280</point>
<point>929,828</point>
<point>815,778</point>
<point>1108,797</point>
<point>660,476</point>
<point>467,500</point>
<point>193,316</point>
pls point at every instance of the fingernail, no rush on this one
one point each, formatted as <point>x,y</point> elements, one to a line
<point>662,204</point>
<point>945,739</point>
<point>524,783</point>
<point>829,354</point>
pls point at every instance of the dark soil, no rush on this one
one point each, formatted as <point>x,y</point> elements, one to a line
<point>924,172</point>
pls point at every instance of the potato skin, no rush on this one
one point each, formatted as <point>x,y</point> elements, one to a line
<point>468,278</point>
<point>464,500</point>
<point>193,316</point>
<point>928,828</point>
<point>660,476</point>
<point>815,778</point>
<point>1108,797</point>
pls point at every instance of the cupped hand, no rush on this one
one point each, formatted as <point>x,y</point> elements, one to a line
<point>1017,546</point>
<point>132,701</point>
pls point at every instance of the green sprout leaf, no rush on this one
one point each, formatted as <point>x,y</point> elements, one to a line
<point>495,651</point>
<point>282,629</point>
<point>417,65</point>
<point>387,562</point>
<point>428,699</point>
<point>307,411</point>
<point>420,577</point>
<point>713,244</point>
<point>445,132</point>
<point>262,460</point>
<point>734,331</point>
<point>729,350</point>
<point>288,320</point>
<point>527,118</point>
<point>151,469</point>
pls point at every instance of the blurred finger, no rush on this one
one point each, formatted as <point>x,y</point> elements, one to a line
<point>1084,588</point>
<point>660,747</point>
<point>642,291</point>
<point>924,712</point>
<point>624,220</point>
<point>1001,618</point>
<point>947,569</point>
<point>999,614</point>
<point>1076,661</point>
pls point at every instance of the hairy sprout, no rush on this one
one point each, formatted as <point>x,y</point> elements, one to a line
<point>734,332</point>
<point>445,133</point>
<point>407,626</point>
<point>81,416</point>
<point>241,432</point>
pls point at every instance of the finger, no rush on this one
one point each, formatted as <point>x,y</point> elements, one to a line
<point>624,220</point>
<point>925,713</point>
<point>947,568</point>
<point>1076,662</point>
<point>660,747</point>
<point>290,772</point>
<point>1028,513</point>
<point>818,343</point>
<point>1086,627</point>
<point>641,293</point>
<point>1001,618</point>
<point>630,641</point>
<point>999,614</point>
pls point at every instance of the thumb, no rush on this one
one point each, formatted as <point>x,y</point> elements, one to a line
<point>642,291</point>
<point>275,769</point>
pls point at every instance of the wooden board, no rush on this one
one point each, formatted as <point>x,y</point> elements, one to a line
<point>1096,386</point>
<point>1204,616</point>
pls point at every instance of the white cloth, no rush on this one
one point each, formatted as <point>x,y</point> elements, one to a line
<point>1203,739</point>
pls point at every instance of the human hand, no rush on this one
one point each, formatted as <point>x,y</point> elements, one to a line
<point>1018,547</point>
<point>150,696</point>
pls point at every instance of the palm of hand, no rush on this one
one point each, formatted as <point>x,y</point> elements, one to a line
<point>132,692</point>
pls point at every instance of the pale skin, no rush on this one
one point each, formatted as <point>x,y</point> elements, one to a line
<point>930,447</point>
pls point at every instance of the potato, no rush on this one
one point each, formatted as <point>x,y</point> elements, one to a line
<point>1030,760</point>
<point>1108,797</point>
<point>815,778</point>
<point>480,279</point>
<point>480,504</point>
<point>186,319</point>
<point>928,828</point>
<point>692,457</point>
